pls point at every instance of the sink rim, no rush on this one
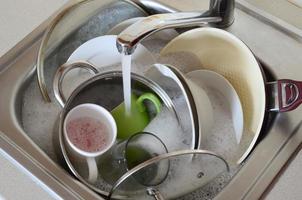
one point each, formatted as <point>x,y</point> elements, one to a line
<point>256,185</point>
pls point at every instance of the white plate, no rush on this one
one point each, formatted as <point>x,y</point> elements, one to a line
<point>102,53</point>
<point>226,135</point>
<point>204,109</point>
<point>214,81</point>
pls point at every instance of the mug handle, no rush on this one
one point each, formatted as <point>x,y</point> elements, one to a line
<point>92,170</point>
<point>151,97</point>
<point>62,71</point>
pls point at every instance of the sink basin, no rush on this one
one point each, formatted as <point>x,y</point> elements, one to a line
<point>21,102</point>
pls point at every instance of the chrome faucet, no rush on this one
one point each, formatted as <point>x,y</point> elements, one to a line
<point>220,14</point>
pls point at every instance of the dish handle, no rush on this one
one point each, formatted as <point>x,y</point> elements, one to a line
<point>286,95</point>
<point>62,71</point>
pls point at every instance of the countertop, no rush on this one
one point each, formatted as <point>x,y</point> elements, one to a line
<point>19,18</point>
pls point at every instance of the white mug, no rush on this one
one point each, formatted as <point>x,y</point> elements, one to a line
<point>102,115</point>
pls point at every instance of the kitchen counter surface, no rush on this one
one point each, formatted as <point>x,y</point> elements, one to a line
<point>19,18</point>
<point>287,185</point>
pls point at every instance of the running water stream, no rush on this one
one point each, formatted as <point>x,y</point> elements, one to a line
<point>126,68</point>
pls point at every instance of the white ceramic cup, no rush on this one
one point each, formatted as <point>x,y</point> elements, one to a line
<point>104,116</point>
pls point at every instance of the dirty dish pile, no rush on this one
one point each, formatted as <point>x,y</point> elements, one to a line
<point>165,119</point>
<point>225,115</point>
<point>219,120</point>
<point>183,122</point>
<point>193,168</point>
<point>152,106</point>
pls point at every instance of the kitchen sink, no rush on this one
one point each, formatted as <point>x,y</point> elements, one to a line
<point>20,101</point>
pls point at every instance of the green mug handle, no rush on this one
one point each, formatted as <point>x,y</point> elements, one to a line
<point>151,97</point>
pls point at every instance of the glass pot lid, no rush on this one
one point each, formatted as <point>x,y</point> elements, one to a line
<point>189,170</point>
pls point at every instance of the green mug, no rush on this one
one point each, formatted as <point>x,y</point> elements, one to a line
<point>128,125</point>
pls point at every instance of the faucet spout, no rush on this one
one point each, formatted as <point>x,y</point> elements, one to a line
<point>220,14</point>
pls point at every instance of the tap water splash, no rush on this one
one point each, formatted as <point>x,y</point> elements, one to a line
<point>126,68</point>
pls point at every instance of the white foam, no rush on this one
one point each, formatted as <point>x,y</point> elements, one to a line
<point>39,119</point>
<point>165,125</point>
<point>221,139</point>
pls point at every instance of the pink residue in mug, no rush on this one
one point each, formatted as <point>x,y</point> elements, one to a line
<point>88,134</point>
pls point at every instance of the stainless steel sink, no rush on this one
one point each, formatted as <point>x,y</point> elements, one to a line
<point>278,50</point>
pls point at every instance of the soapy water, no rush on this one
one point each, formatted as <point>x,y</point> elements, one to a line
<point>39,119</point>
<point>221,139</point>
<point>165,125</point>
